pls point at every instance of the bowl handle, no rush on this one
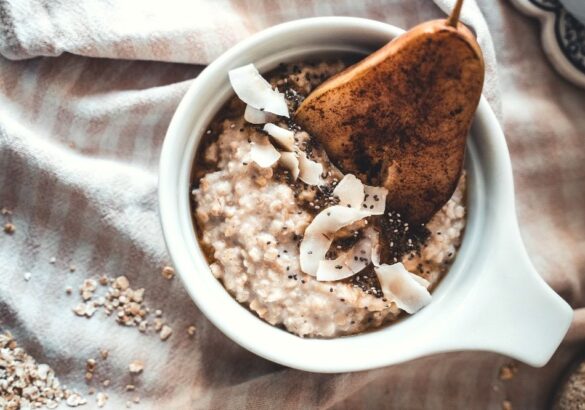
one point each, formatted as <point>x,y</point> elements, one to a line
<point>516,313</point>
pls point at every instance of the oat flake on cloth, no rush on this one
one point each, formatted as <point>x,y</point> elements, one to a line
<point>87,89</point>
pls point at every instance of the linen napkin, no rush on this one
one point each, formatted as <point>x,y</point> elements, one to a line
<point>87,90</point>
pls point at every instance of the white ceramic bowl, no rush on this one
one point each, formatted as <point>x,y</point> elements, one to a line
<point>492,299</point>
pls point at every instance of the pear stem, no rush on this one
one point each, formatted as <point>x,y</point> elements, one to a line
<point>454,17</point>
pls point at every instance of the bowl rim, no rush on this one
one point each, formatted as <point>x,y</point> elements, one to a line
<point>247,329</point>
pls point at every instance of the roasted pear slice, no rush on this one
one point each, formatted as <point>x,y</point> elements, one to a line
<point>400,117</point>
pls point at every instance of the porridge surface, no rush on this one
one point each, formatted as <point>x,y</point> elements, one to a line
<point>251,220</point>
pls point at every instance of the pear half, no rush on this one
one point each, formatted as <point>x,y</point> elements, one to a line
<point>400,117</point>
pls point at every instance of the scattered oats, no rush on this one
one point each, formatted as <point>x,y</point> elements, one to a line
<point>508,371</point>
<point>128,404</point>
<point>165,332</point>
<point>88,376</point>
<point>27,276</point>
<point>138,295</point>
<point>79,309</point>
<point>191,330</point>
<point>52,404</point>
<point>142,326</point>
<point>99,301</point>
<point>104,354</point>
<point>43,371</point>
<point>106,383</point>
<point>6,211</point>
<point>72,268</point>
<point>136,400</point>
<point>89,310</point>
<point>506,405</point>
<point>75,400</point>
<point>53,260</point>
<point>84,309</point>
<point>101,399</point>
<point>25,384</point>
<point>121,282</point>
<point>168,272</point>
<point>136,366</point>
<point>90,365</point>
<point>130,387</point>
<point>69,290</point>
<point>9,228</point>
<point>126,304</point>
<point>158,324</point>
<point>91,391</point>
<point>89,285</point>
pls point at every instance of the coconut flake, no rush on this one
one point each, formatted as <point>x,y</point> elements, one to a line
<point>347,264</point>
<point>254,116</point>
<point>284,137</point>
<point>310,171</point>
<point>312,251</point>
<point>399,286</point>
<point>350,191</point>
<point>375,199</point>
<point>255,91</point>
<point>290,161</point>
<point>360,255</point>
<point>422,281</point>
<point>263,154</point>
<point>319,234</point>
<point>332,270</point>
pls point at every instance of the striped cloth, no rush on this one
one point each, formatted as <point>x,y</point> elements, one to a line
<point>87,90</point>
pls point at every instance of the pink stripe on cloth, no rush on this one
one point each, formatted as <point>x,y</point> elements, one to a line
<point>82,120</point>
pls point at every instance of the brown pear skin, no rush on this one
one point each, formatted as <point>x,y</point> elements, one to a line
<point>400,117</point>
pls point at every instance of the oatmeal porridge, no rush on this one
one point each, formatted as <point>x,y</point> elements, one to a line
<point>300,244</point>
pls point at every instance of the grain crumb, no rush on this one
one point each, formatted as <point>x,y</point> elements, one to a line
<point>136,366</point>
<point>101,399</point>
<point>165,332</point>
<point>90,365</point>
<point>506,405</point>
<point>168,272</point>
<point>121,282</point>
<point>104,354</point>
<point>27,276</point>
<point>9,228</point>
<point>75,400</point>
<point>191,330</point>
<point>508,371</point>
<point>158,324</point>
